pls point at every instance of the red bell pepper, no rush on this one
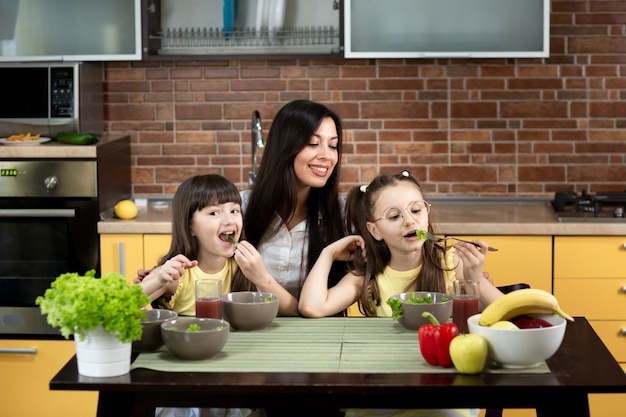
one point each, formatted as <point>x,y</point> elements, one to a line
<point>435,341</point>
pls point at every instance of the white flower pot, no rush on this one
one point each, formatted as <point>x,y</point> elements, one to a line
<point>101,354</point>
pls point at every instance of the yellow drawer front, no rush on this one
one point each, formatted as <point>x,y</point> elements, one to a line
<point>585,257</point>
<point>594,298</point>
<point>26,378</point>
<point>512,263</point>
<point>607,405</point>
<point>611,334</point>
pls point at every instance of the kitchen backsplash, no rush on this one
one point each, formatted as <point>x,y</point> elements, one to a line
<point>479,127</point>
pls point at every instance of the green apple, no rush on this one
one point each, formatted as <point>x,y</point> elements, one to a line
<point>469,353</point>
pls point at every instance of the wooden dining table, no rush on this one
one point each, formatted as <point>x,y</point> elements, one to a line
<point>337,363</point>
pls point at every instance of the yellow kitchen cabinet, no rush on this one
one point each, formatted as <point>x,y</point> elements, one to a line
<point>154,247</point>
<point>26,378</point>
<point>121,253</point>
<point>590,281</point>
<point>127,253</point>
<point>526,259</point>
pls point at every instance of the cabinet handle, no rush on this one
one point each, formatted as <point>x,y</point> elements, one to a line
<point>624,332</point>
<point>624,288</point>
<point>122,258</point>
<point>31,351</point>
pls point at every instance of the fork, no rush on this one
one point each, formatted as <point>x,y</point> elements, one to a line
<point>436,239</point>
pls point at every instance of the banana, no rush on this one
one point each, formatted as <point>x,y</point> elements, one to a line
<point>524,301</point>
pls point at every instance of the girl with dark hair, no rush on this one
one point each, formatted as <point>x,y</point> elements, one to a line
<point>293,210</point>
<point>206,219</point>
<point>384,217</point>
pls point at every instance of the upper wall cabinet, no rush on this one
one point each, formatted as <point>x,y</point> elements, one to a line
<point>70,30</point>
<point>240,28</point>
<point>446,28</point>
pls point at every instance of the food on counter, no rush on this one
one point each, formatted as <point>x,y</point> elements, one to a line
<point>23,137</point>
<point>521,302</point>
<point>77,138</point>
<point>126,209</point>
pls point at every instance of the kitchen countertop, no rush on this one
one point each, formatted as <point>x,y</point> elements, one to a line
<point>469,216</point>
<point>54,149</point>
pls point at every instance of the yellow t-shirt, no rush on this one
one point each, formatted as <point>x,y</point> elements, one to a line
<point>392,282</point>
<point>184,299</point>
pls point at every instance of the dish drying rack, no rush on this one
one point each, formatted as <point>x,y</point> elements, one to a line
<point>203,41</point>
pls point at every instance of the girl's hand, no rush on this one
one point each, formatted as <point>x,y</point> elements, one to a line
<point>174,268</point>
<point>250,262</point>
<point>344,248</point>
<point>473,258</point>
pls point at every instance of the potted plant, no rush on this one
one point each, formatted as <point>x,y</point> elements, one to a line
<point>102,313</point>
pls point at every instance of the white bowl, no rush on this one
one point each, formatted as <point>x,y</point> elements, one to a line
<point>521,348</point>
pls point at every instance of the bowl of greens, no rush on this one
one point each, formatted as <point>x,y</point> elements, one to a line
<point>407,307</point>
<point>249,310</point>
<point>192,338</point>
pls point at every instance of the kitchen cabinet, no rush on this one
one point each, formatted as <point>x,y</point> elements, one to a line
<point>526,259</point>
<point>26,377</point>
<point>446,28</point>
<point>240,28</point>
<point>70,30</point>
<point>127,253</point>
<point>590,281</point>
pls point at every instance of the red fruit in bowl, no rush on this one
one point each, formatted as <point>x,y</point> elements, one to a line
<point>529,322</point>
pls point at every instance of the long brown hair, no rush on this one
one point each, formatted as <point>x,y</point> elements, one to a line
<point>275,190</point>
<point>192,195</point>
<point>360,206</point>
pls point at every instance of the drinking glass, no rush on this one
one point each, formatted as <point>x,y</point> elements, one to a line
<point>209,298</point>
<point>465,302</point>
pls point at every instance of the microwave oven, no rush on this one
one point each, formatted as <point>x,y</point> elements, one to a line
<point>48,98</point>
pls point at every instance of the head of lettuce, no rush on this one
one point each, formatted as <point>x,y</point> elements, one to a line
<point>78,304</point>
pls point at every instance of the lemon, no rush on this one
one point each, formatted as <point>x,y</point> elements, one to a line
<point>504,325</point>
<point>126,209</point>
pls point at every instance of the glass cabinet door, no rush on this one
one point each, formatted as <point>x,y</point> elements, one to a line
<point>70,30</point>
<point>446,28</point>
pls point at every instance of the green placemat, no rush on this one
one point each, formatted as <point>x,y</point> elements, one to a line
<point>289,344</point>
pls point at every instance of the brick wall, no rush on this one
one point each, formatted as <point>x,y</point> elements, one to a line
<point>488,127</point>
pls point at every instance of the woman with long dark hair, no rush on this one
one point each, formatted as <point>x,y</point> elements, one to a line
<point>294,210</point>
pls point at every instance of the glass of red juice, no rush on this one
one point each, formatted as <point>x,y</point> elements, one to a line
<point>209,298</point>
<point>465,302</point>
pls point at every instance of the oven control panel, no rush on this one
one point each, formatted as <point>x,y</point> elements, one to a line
<point>46,178</point>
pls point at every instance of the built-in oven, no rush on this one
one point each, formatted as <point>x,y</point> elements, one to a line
<point>49,213</point>
<point>48,226</point>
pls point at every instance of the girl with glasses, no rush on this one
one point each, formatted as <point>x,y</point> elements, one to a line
<point>386,254</point>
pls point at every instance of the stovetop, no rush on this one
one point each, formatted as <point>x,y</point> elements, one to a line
<point>587,206</point>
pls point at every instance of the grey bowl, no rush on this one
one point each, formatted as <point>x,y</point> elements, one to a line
<point>249,310</point>
<point>412,318</point>
<point>195,345</point>
<point>151,338</point>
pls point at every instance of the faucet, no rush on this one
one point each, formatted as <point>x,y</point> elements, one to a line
<point>257,142</point>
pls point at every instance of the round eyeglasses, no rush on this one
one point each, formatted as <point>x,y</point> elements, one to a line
<point>395,215</point>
